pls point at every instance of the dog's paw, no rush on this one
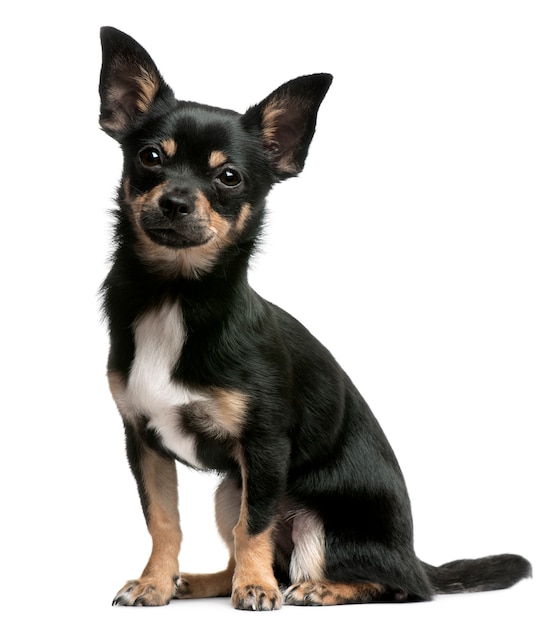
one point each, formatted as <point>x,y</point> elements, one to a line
<point>306,594</point>
<point>145,592</point>
<point>310,593</point>
<point>256,598</point>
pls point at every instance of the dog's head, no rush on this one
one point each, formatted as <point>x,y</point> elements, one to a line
<point>195,177</point>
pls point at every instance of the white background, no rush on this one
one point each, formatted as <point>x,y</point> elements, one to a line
<point>417,245</point>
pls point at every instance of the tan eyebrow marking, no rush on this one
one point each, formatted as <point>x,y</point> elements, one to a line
<point>169,146</point>
<point>216,159</point>
<point>148,87</point>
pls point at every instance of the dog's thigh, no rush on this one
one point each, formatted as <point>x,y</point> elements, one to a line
<point>228,506</point>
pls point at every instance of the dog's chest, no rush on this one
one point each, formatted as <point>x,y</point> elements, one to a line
<point>151,391</point>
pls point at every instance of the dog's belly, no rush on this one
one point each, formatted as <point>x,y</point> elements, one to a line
<point>151,392</point>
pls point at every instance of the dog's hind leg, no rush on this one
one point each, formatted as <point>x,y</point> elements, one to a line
<point>307,570</point>
<point>214,585</point>
<point>228,508</point>
<point>339,564</point>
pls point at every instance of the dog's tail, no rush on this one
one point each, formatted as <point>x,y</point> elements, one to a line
<point>485,574</point>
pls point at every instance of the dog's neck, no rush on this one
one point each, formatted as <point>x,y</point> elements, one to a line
<point>204,296</point>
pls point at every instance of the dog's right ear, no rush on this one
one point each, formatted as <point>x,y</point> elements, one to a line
<point>130,83</point>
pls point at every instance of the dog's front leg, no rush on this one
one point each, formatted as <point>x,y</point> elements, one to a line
<point>157,481</point>
<point>254,584</point>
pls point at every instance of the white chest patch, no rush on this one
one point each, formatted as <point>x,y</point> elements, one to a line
<point>159,338</point>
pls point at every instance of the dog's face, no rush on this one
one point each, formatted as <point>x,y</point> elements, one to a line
<point>196,177</point>
<point>194,186</point>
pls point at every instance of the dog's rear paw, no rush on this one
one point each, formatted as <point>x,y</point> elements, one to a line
<point>256,598</point>
<point>145,592</point>
<point>306,594</point>
<point>327,593</point>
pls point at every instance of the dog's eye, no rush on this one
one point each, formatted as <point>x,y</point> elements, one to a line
<point>150,157</point>
<point>229,177</point>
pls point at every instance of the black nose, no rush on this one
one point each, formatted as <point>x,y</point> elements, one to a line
<point>177,204</point>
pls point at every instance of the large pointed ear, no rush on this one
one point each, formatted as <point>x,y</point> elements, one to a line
<point>130,83</point>
<point>286,121</point>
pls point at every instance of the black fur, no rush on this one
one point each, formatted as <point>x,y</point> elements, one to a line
<point>308,440</point>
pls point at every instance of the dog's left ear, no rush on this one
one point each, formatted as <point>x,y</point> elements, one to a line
<point>130,83</point>
<point>286,121</point>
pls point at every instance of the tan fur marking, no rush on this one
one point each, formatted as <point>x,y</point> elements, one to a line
<point>169,146</point>
<point>144,92</point>
<point>270,123</point>
<point>160,483</point>
<point>218,225</point>
<point>243,217</point>
<point>216,159</point>
<point>194,262</point>
<point>157,257</point>
<point>270,117</point>
<point>254,556</point>
<point>149,86</point>
<point>254,583</point>
<point>220,413</point>
<point>142,202</point>
<point>229,410</point>
<point>329,593</point>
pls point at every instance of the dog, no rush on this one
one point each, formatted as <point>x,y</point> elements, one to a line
<point>312,504</point>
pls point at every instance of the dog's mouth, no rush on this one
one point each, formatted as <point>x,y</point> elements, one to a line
<point>171,238</point>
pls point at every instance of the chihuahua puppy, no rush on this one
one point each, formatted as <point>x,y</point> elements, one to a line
<point>312,503</point>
